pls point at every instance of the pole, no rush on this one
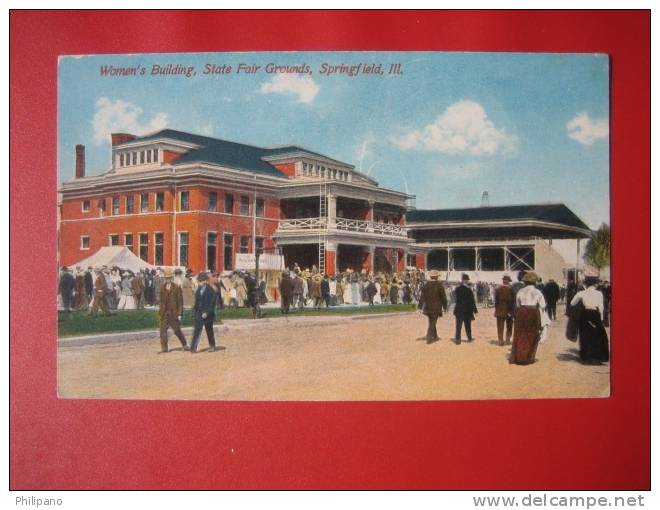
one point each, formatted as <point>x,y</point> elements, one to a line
<point>577,261</point>
<point>254,218</point>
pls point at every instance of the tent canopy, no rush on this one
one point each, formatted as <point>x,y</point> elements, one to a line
<point>119,256</point>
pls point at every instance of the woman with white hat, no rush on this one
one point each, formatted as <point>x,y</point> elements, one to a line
<point>126,299</point>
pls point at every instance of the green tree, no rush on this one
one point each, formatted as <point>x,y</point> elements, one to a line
<point>597,252</point>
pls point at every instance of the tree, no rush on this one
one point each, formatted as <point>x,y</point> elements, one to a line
<point>597,252</point>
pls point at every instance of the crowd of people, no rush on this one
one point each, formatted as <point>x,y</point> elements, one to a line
<point>523,310</point>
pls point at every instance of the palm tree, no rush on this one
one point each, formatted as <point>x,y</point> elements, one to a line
<point>597,252</point>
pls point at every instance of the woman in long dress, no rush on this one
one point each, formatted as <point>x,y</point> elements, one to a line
<point>529,322</point>
<point>594,344</point>
<point>347,291</point>
<point>126,300</point>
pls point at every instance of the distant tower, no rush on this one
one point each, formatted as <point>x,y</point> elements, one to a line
<point>485,202</point>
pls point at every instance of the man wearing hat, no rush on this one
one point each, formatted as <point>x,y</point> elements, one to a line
<point>432,302</point>
<point>170,311</point>
<point>464,309</point>
<point>100,295</point>
<point>504,304</point>
<point>204,313</point>
<point>66,286</point>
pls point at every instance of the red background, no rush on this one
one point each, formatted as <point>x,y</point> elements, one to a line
<point>532,444</point>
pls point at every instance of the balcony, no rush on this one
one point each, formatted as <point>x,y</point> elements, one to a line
<point>318,225</point>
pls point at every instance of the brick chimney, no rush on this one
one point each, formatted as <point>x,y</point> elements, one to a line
<point>119,138</point>
<point>80,161</point>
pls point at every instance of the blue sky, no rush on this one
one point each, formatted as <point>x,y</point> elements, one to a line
<point>525,127</point>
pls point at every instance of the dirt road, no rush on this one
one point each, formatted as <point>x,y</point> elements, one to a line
<point>330,358</point>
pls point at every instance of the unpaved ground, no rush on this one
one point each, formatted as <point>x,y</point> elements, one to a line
<point>330,358</point>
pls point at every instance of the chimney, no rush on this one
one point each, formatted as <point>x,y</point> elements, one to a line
<point>80,161</point>
<point>119,138</point>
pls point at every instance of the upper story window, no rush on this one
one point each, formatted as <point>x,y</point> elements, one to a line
<point>85,206</point>
<point>113,239</point>
<point>185,201</point>
<point>229,203</point>
<point>135,158</point>
<point>115,206</point>
<point>101,205</point>
<point>121,160</point>
<point>160,201</point>
<point>142,157</point>
<point>213,201</point>
<point>155,152</point>
<point>144,202</point>
<point>245,205</point>
<point>148,156</point>
<point>129,204</point>
<point>260,207</point>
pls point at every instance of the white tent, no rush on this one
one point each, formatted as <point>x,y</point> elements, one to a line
<point>110,256</point>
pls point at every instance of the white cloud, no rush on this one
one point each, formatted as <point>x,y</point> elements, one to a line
<point>463,128</point>
<point>122,116</point>
<point>585,130</point>
<point>304,87</point>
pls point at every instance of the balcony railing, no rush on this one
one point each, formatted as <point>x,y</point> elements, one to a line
<point>345,224</point>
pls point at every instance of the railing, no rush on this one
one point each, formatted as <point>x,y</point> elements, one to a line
<point>346,224</point>
<point>303,224</point>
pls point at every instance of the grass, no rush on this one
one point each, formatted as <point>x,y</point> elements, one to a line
<point>80,323</point>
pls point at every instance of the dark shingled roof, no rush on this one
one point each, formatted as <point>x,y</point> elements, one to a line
<point>554,213</point>
<point>221,152</point>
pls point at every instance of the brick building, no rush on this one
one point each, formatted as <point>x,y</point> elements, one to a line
<point>176,198</point>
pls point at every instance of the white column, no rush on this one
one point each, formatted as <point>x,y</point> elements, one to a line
<point>332,210</point>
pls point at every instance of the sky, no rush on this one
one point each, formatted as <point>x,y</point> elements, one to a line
<point>526,127</point>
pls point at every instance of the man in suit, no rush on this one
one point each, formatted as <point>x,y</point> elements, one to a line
<point>170,311</point>
<point>432,302</point>
<point>551,294</point>
<point>101,290</point>
<point>504,303</point>
<point>66,286</point>
<point>464,309</point>
<point>204,313</point>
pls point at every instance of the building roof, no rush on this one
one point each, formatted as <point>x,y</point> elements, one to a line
<point>222,152</point>
<point>551,213</point>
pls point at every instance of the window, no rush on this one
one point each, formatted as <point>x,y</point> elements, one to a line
<point>149,156</point>
<point>144,246</point>
<point>211,250</point>
<point>142,157</point>
<point>101,205</point>
<point>158,249</point>
<point>259,241</point>
<point>185,201</point>
<point>438,259</point>
<point>160,201</point>
<point>464,259</point>
<point>144,202</point>
<point>115,206</point>
<point>244,209</point>
<point>183,249</point>
<point>492,259</point>
<point>245,244</point>
<point>411,260</point>
<point>228,252</point>
<point>121,160</point>
<point>84,242</point>
<point>261,207</point>
<point>128,241</point>
<point>155,155</point>
<point>521,259</point>
<point>229,203</point>
<point>135,158</point>
<point>113,239</point>
<point>129,204</point>
<point>213,201</point>
<point>85,206</point>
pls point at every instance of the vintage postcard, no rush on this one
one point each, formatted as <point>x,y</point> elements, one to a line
<point>333,226</point>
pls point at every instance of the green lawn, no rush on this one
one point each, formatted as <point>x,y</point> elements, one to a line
<point>80,323</point>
